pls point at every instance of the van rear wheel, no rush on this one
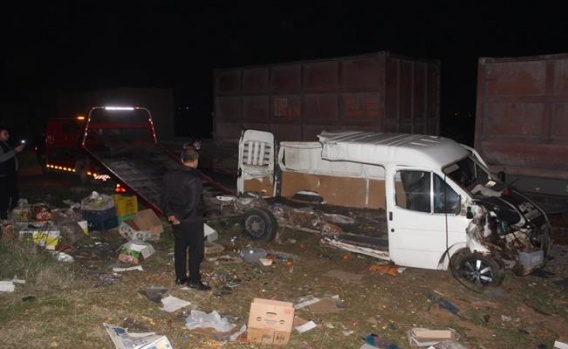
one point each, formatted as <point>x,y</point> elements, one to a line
<point>259,223</point>
<point>477,269</point>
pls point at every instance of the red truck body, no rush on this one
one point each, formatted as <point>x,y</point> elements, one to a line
<point>522,124</point>
<point>295,101</point>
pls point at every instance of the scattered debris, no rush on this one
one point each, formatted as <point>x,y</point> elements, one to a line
<point>302,325</point>
<point>373,341</point>
<point>154,293</point>
<point>200,319</point>
<point>7,286</point>
<point>119,270</point>
<point>328,305</point>
<point>252,255</point>
<point>306,301</point>
<point>344,276</point>
<point>423,337</point>
<point>444,304</point>
<point>124,340</point>
<point>172,303</point>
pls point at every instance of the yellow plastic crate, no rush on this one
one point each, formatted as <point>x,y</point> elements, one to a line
<point>125,205</point>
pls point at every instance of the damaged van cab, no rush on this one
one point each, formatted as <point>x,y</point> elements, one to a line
<point>432,202</point>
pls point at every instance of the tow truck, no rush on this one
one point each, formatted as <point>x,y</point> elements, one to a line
<point>118,143</point>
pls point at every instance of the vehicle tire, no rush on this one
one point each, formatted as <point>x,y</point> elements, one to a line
<point>259,224</point>
<point>476,269</point>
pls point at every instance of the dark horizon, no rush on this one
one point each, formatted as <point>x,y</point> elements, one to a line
<point>90,46</point>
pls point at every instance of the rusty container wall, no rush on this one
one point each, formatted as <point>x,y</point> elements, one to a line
<point>297,100</point>
<point>522,115</point>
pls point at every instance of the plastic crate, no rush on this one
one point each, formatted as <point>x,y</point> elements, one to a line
<point>125,205</point>
<point>101,220</point>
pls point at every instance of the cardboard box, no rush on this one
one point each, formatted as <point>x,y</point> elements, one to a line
<point>145,226</point>
<point>134,253</point>
<point>270,321</point>
<point>424,337</point>
<point>267,336</point>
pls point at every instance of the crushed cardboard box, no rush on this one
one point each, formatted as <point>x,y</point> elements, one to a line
<point>424,337</point>
<point>134,253</point>
<point>145,226</point>
<point>270,321</point>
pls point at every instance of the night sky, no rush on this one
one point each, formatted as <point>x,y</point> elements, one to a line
<point>82,45</point>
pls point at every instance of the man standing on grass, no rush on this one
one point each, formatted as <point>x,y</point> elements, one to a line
<point>183,205</point>
<point>8,170</point>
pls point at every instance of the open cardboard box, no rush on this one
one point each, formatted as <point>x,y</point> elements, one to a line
<point>145,226</point>
<point>134,253</point>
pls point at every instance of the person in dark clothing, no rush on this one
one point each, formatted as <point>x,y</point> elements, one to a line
<point>8,174</point>
<point>183,205</point>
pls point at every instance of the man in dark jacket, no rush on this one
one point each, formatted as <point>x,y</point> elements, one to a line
<point>182,202</point>
<point>8,170</point>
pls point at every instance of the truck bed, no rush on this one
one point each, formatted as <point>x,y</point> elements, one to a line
<point>140,167</point>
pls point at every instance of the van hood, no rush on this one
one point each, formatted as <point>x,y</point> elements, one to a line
<point>513,208</point>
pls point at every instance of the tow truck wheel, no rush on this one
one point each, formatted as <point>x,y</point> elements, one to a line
<point>477,269</point>
<point>259,223</point>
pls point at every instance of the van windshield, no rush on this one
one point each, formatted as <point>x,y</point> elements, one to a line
<point>474,178</point>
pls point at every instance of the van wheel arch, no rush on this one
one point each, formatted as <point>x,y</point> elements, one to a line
<point>476,268</point>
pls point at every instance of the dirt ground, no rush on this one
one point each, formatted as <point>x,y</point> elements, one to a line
<point>524,312</point>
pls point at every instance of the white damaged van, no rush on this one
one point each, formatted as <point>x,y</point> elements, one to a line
<point>432,201</point>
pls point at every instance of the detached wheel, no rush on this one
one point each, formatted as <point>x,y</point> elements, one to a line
<point>259,224</point>
<point>477,269</point>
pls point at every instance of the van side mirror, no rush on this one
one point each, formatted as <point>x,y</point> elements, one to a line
<point>469,214</point>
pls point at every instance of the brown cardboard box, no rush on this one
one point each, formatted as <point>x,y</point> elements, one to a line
<point>146,226</point>
<point>267,336</point>
<point>270,321</point>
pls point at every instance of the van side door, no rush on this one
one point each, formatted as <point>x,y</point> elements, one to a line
<point>423,218</point>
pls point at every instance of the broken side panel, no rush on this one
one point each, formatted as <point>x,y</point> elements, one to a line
<point>340,183</point>
<point>256,163</point>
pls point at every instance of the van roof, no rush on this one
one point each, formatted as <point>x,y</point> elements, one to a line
<point>432,152</point>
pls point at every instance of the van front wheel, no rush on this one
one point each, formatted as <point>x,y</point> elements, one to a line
<point>477,269</point>
<point>259,223</point>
